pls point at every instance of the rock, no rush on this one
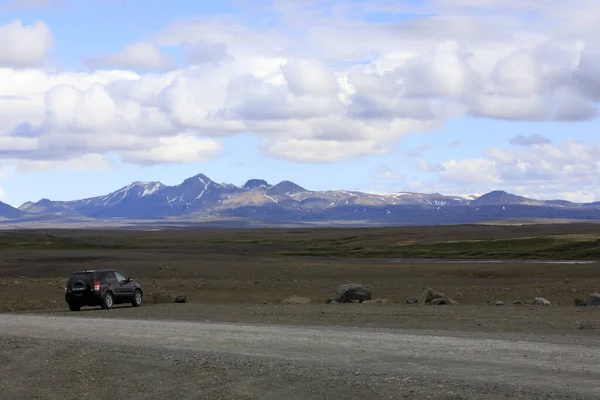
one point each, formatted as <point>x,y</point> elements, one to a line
<point>295,300</point>
<point>428,295</point>
<point>328,300</point>
<point>593,300</point>
<point>579,303</point>
<point>517,302</point>
<point>377,301</point>
<point>412,300</point>
<point>439,301</point>
<point>353,292</point>
<point>496,303</point>
<point>180,298</point>
<point>540,301</point>
<point>586,326</point>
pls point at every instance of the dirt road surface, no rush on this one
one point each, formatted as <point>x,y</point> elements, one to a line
<point>52,357</point>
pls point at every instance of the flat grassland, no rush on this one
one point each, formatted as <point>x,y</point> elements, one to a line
<point>244,274</point>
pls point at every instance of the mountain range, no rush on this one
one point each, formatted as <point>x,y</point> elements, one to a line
<point>257,202</point>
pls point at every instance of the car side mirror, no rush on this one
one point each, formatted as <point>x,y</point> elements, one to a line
<point>128,280</point>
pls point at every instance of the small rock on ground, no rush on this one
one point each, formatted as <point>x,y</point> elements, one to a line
<point>540,301</point>
<point>496,303</point>
<point>517,302</point>
<point>180,298</point>
<point>295,300</point>
<point>579,303</point>
<point>412,300</point>
<point>586,326</point>
<point>439,301</point>
<point>377,301</point>
<point>429,295</point>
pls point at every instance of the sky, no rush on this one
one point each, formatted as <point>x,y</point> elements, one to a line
<point>457,97</point>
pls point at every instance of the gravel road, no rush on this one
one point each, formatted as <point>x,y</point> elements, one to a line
<point>49,357</point>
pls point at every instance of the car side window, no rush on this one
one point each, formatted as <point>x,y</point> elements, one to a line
<point>120,277</point>
<point>110,277</point>
<point>101,277</point>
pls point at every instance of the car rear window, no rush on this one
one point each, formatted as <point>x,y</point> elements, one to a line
<point>82,276</point>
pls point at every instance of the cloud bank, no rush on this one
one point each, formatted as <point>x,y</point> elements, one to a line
<point>320,83</point>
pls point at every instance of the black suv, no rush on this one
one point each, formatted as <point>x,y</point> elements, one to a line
<point>101,287</point>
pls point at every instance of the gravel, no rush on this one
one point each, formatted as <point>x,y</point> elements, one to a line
<point>48,357</point>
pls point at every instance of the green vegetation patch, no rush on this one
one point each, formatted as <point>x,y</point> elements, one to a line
<point>566,247</point>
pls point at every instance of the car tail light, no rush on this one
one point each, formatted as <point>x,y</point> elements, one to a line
<point>97,287</point>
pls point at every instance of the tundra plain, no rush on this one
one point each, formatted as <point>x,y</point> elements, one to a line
<point>244,276</point>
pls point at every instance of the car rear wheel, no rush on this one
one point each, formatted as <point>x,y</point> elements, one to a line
<point>107,300</point>
<point>137,298</point>
<point>74,307</point>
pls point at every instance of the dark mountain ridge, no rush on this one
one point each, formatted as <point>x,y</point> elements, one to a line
<point>199,198</point>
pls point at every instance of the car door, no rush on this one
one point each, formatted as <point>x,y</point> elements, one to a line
<point>124,289</point>
<point>112,283</point>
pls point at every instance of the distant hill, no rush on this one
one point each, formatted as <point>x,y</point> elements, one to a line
<point>9,212</point>
<point>199,198</point>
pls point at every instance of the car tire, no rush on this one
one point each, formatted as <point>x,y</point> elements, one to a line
<point>138,298</point>
<point>74,307</point>
<point>108,300</point>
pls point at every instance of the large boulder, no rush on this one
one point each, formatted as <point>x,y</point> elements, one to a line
<point>353,292</point>
<point>593,300</point>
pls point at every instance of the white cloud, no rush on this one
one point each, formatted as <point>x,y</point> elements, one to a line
<point>384,172</point>
<point>530,140</point>
<point>341,87</point>
<point>135,56</point>
<point>205,52</point>
<point>175,149</point>
<point>85,162</point>
<point>24,45</point>
<point>569,170</point>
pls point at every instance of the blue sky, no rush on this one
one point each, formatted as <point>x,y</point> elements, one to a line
<point>377,96</point>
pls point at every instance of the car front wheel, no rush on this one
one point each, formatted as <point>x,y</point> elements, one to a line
<point>74,307</point>
<point>137,298</point>
<point>107,300</point>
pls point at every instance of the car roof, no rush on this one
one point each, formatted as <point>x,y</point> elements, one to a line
<point>97,270</point>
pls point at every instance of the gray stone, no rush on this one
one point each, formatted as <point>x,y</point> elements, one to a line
<point>439,301</point>
<point>428,295</point>
<point>540,301</point>
<point>593,300</point>
<point>180,298</point>
<point>586,326</point>
<point>296,300</point>
<point>412,300</point>
<point>517,302</point>
<point>353,292</point>
<point>496,303</point>
<point>580,303</point>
